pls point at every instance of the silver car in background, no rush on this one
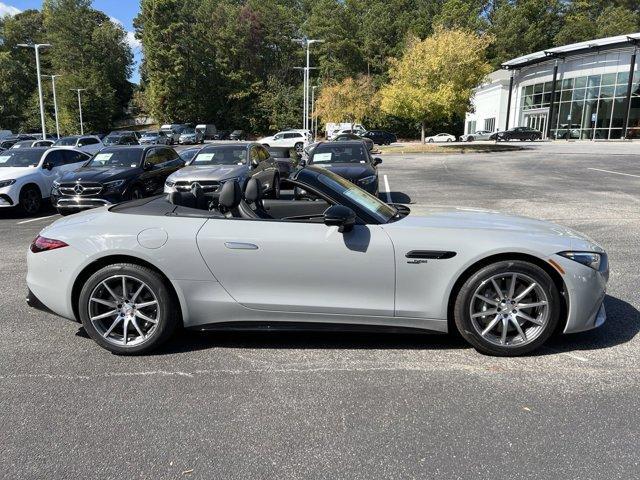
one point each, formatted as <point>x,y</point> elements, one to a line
<point>479,135</point>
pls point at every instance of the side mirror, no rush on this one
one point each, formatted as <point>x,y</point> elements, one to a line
<point>47,166</point>
<point>340,216</point>
<point>254,164</point>
<point>377,161</point>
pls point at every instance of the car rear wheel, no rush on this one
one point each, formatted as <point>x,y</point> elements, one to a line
<point>127,309</point>
<point>430,140</point>
<point>30,200</point>
<point>470,139</point>
<point>508,308</point>
<point>299,147</point>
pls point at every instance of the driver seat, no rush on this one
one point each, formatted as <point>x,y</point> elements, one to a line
<point>229,199</point>
<point>251,206</point>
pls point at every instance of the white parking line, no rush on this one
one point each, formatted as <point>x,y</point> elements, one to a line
<point>616,173</point>
<point>387,189</point>
<point>36,219</point>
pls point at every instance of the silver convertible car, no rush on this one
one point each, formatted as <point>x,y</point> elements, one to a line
<point>133,272</point>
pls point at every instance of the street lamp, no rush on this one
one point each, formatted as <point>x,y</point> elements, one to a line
<point>306,43</point>
<point>79,106</point>
<point>314,121</point>
<point>55,101</point>
<point>37,47</point>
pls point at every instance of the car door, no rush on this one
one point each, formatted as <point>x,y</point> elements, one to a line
<point>55,161</point>
<point>257,167</point>
<point>151,178</point>
<point>170,162</point>
<point>301,267</point>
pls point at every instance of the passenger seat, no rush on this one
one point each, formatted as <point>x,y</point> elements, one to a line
<point>251,206</point>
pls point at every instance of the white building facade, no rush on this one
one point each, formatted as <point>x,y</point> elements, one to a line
<point>588,90</point>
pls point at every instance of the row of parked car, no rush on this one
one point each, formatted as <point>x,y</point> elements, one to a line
<point>75,180</point>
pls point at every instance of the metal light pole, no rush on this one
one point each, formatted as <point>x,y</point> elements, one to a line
<point>306,42</point>
<point>55,101</point>
<point>79,107</point>
<point>314,121</point>
<point>36,47</point>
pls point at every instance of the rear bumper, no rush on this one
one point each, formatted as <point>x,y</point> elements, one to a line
<point>34,302</point>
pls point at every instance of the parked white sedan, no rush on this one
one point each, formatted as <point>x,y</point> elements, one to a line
<point>441,137</point>
<point>289,139</point>
<point>86,143</point>
<point>27,174</point>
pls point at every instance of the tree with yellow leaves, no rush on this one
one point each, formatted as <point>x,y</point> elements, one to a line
<point>434,78</point>
<point>351,100</point>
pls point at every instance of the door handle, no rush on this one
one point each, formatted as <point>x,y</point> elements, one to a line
<point>240,246</point>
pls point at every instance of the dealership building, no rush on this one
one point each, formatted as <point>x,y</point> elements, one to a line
<point>588,90</point>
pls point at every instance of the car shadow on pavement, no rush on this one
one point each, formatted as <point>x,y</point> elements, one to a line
<point>622,325</point>
<point>397,197</point>
<point>16,214</point>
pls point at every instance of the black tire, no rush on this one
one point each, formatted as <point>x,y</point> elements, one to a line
<point>430,140</point>
<point>462,308</point>
<point>275,187</point>
<point>168,316</point>
<point>449,140</point>
<point>470,139</point>
<point>299,147</point>
<point>30,200</point>
<point>135,193</point>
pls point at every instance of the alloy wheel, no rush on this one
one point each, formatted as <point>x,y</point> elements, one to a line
<point>124,310</point>
<point>509,309</point>
<point>31,201</point>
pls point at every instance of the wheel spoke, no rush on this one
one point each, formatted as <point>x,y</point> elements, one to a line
<point>145,304</point>
<point>495,285</point>
<point>485,313</point>
<point>144,317</point>
<point>135,295</point>
<point>104,315</point>
<point>135,325</point>
<point>103,302</point>
<point>529,318</point>
<point>125,330</point>
<point>491,325</point>
<point>124,287</point>
<point>486,299</point>
<point>505,325</point>
<point>113,325</point>
<point>115,297</point>
<point>519,329</point>
<point>532,305</point>
<point>512,287</point>
<point>525,292</point>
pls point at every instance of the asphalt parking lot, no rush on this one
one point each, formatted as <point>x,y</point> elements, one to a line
<point>306,405</point>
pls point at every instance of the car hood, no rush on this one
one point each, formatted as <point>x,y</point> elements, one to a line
<point>214,172</point>
<point>494,222</point>
<point>100,175</point>
<point>11,173</point>
<point>349,171</point>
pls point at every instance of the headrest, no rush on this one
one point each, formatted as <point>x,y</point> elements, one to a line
<point>230,195</point>
<point>184,199</point>
<point>253,191</point>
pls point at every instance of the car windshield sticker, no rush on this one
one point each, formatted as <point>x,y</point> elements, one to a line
<point>4,158</point>
<point>322,157</point>
<point>204,157</point>
<point>103,157</point>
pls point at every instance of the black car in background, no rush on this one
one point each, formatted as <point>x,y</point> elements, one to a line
<point>380,137</point>
<point>9,142</point>
<point>238,135</point>
<point>517,133</point>
<point>222,135</point>
<point>349,159</point>
<point>113,175</point>
<point>352,136</point>
<point>120,138</point>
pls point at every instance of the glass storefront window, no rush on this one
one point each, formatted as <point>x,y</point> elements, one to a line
<point>579,94</point>
<point>547,86</point>
<point>593,92</point>
<point>621,90</point>
<point>623,78</point>
<point>529,90</point>
<point>580,82</point>
<point>567,83</point>
<point>537,88</point>
<point>607,91</point>
<point>566,96</point>
<point>609,79</point>
<point>605,108</point>
<point>617,119</point>
<point>593,81</point>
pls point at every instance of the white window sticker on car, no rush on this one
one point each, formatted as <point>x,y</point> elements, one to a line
<point>322,157</point>
<point>4,158</point>
<point>204,157</point>
<point>103,157</point>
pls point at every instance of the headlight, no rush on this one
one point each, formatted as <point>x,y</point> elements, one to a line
<point>367,180</point>
<point>590,259</point>
<point>112,186</point>
<point>169,183</point>
<point>6,183</point>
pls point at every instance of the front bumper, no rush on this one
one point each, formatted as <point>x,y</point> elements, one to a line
<point>78,203</point>
<point>9,196</point>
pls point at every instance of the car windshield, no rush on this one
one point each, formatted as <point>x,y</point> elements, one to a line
<point>188,154</point>
<point>188,131</point>
<point>112,138</point>
<point>373,205</point>
<point>66,142</point>
<point>226,155</point>
<point>331,154</point>
<point>116,158</point>
<point>20,158</point>
<point>150,135</point>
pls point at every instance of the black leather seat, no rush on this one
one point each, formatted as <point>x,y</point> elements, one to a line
<point>229,199</point>
<point>252,206</point>
<point>195,198</point>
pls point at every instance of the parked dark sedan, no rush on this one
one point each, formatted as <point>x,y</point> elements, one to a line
<point>222,135</point>
<point>8,142</point>
<point>380,137</point>
<point>349,159</point>
<point>113,175</point>
<point>517,133</point>
<point>238,135</point>
<point>120,138</point>
<point>352,136</point>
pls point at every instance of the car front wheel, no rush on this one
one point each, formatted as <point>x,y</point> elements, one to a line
<point>508,308</point>
<point>127,309</point>
<point>30,200</point>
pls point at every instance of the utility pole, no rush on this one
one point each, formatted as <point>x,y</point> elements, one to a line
<point>306,43</point>
<point>37,47</point>
<point>314,121</point>
<point>79,107</point>
<point>55,101</point>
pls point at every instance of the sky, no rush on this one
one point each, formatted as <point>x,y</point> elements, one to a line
<point>120,11</point>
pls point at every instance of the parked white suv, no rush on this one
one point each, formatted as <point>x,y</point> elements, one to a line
<point>288,139</point>
<point>27,174</point>
<point>86,143</point>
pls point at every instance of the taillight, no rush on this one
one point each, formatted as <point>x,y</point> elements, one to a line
<point>42,244</point>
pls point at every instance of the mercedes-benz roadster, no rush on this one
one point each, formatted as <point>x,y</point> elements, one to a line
<point>133,272</point>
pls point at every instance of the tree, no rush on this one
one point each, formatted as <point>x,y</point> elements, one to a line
<point>352,100</point>
<point>434,78</point>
